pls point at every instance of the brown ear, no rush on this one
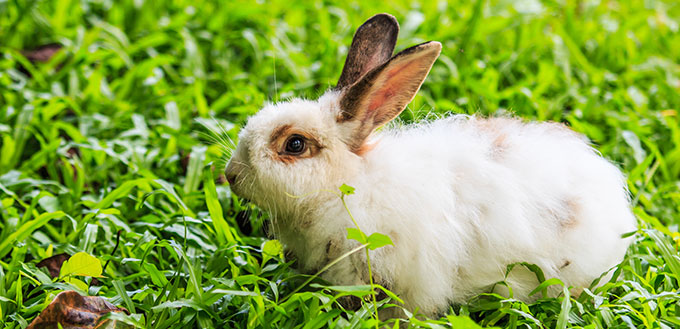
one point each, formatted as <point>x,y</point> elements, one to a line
<point>385,91</point>
<point>372,45</point>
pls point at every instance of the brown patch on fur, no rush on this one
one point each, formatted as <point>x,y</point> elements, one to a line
<point>495,127</point>
<point>571,217</point>
<point>285,158</point>
<point>277,144</point>
<point>279,132</point>
<point>499,145</point>
<point>566,263</point>
<point>364,148</point>
<point>394,236</point>
<point>566,215</point>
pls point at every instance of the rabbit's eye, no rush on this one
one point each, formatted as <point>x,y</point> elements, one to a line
<point>289,145</point>
<point>295,145</point>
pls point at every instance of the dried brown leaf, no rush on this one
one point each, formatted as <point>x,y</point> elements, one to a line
<point>74,311</point>
<point>53,264</point>
<point>42,53</point>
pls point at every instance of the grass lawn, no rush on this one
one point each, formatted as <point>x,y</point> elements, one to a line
<point>106,147</point>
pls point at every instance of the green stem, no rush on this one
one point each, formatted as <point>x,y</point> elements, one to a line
<point>375,300</point>
<point>342,198</point>
<point>368,262</point>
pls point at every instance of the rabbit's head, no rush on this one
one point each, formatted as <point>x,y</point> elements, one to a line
<point>298,147</point>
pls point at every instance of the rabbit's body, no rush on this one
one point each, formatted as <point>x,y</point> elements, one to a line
<point>468,204</point>
<point>461,197</point>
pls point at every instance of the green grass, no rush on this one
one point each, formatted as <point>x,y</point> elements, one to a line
<point>102,148</point>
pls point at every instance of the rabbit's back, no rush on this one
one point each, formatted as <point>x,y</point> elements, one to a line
<point>475,195</point>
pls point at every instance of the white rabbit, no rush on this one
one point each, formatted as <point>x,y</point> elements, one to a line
<point>460,197</point>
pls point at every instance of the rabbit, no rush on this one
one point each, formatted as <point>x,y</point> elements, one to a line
<point>461,197</point>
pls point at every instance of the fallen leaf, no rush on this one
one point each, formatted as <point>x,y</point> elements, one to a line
<point>42,53</point>
<point>73,311</point>
<point>53,264</point>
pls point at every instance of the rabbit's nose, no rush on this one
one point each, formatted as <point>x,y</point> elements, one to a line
<point>231,178</point>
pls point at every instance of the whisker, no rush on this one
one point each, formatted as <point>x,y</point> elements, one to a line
<point>276,89</point>
<point>217,134</point>
<point>223,134</point>
<point>242,163</point>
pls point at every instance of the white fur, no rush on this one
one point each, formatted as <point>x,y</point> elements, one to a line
<point>461,198</point>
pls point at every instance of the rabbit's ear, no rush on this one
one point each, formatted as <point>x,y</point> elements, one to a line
<point>372,45</point>
<point>384,92</point>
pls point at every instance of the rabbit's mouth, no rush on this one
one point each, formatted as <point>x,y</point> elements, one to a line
<point>235,188</point>
<point>236,173</point>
